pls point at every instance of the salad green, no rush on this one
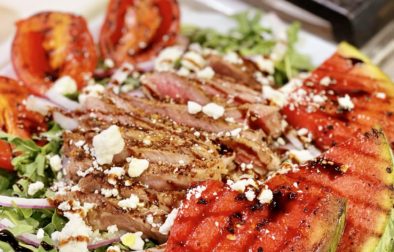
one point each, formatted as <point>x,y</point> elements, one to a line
<point>249,37</point>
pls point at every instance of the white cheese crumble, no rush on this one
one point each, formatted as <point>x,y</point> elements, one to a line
<point>109,192</point>
<point>196,192</point>
<point>137,167</point>
<point>381,95</point>
<point>206,73</point>
<point>118,172</point>
<point>233,58</point>
<point>65,85</point>
<point>302,132</point>
<point>109,63</point>
<point>150,221</point>
<point>193,107</point>
<point>90,90</point>
<point>133,241</point>
<point>35,187</point>
<point>345,102</point>
<point>64,206</point>
<point>213,110</point>
<point>107,144</point>
<point>40,234</point>
<point>274,96</point>
<point>165,228</point>
<point>112,229</point>
<point>74,236</point>
<point>326,81</point>
<point>55,162</point>
<point>265,196</point>
<point>193,61</point>
<point>167,57</point>
<point>235,132</point>
<point>265,65</point>
<point>130,203</point>
<point>241,184</point>
<point>250,195</point>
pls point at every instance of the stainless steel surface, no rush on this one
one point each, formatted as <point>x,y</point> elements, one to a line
<point>381,49</point>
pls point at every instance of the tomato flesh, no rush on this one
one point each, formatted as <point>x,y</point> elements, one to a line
<point>15,118</point>
<point>50,45</point>
<point>135,31</point>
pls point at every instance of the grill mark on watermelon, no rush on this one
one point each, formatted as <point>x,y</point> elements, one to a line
<point>189,217</point>
<point>275,242</point>
<point>336,191</point>
<point>352,205</point>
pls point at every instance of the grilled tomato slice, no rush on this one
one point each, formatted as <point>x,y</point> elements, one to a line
<point>15,118</point>
<point>49,45</point>
<point>136,30</point>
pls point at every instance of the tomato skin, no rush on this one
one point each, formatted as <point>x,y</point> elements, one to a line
<point>49,45</point>
<point>5,156</point>
<point>15,118</point>
<point>156,29</point>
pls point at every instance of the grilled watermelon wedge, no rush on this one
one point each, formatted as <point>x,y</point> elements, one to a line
<point>324,103</point>
<point>224,220</point>
<point>307,210</point>
<point>360,170</point>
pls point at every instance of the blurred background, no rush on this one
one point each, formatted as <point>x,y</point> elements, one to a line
<point>369,24</point>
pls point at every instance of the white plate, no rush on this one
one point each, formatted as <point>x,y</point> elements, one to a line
<point>191,13</point>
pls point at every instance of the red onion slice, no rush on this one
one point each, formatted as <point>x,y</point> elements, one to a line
<point>24,203</point>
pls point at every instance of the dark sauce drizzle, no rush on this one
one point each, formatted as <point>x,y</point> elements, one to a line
<point>8,237</point>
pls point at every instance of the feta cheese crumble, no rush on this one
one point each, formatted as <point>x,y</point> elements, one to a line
<point>193,61</point>
<point>250,195</point>
<point>345,102</point>
<point>74,236</point>
<point>137,167</point>
<point>265,65</point>
<point>241,184</point>
<point>107,144</point>
<point>206,73</point>
<point>196,192</point>
<point>233,58</point>
<point>265,196</point>
<point>55,162</point>
<point>165,228</point>
<point>112,229</point>
<point>193,107</point>
<point>35,187</point>
<point>40,234</point>
<point>325,81</point>
<point>65,85</point>
<point>133,241</point>
<point>213,110</point>
<point>130,203</point>
<point>167,57</point>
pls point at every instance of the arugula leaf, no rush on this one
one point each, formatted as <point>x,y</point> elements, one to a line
<point>31,162</point>
<point>248,38</point>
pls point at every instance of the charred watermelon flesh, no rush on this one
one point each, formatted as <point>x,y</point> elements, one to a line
<point>307,209</point>
<point>345,96</point>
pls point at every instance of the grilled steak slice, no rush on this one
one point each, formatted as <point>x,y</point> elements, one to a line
<point>241,73</point>
<point>258,152</point>
<point>106,211</point>
<point>168,86</point>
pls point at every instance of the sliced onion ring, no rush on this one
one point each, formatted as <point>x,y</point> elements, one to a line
<point>24,202</point>
<point>61,100</point>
